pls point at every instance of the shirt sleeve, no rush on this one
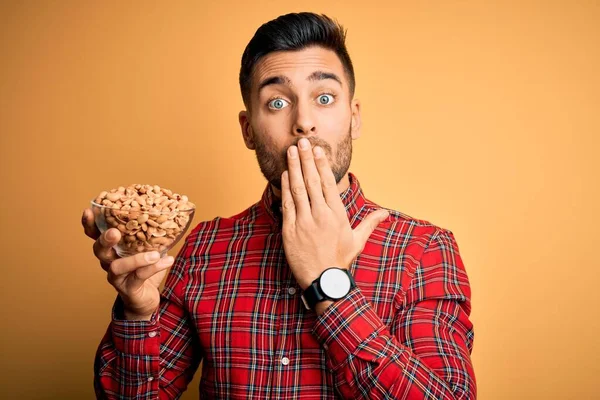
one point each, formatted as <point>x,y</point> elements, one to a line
<point>149,359</point>
<point>424,353</point>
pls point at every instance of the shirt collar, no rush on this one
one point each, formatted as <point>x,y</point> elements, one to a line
<point>353,199</point>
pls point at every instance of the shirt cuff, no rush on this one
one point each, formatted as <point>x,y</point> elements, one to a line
<point>134,337</point>
<point>346,327</point>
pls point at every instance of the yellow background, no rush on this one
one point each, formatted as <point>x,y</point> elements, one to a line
<point>481,117</point>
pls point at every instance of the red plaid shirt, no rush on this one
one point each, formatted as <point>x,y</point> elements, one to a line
<point>231,300</point>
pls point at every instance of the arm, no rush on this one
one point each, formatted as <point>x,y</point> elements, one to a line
<point>149,359</point>
<point>424,353</point>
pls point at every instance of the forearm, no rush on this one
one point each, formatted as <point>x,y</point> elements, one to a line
<point>128,359</point>
<point>132,356</point>
<point>368,361</point>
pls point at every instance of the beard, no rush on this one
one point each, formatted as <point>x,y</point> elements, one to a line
<point>273,162</point>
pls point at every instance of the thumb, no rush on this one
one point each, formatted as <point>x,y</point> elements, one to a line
<point>365,228</point>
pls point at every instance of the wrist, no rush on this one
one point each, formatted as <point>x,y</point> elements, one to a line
<point>305,283</point>
<point>130,316</point>
<point>333,284</point>
<point>321,307</point>
<point>122,311</point>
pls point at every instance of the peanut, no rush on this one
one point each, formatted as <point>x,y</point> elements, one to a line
<point>113,196</point>
<point>142,218</point>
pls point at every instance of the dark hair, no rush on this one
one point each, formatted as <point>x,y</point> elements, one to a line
<point>291,32</point>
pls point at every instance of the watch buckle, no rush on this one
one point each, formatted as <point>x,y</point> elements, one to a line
<point>304,302</point>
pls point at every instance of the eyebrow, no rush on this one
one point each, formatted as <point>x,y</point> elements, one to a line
<point>320,76</point>
<point>284,80</point>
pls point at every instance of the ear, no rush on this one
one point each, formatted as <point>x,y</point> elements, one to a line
<point>247,132</point>
<point>356,121</point>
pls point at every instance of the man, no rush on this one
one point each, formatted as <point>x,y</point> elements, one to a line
<point>312,292</point>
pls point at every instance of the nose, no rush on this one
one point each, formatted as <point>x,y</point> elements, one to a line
<point>304,120</point>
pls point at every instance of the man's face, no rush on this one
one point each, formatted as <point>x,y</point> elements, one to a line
<point>298,94</point>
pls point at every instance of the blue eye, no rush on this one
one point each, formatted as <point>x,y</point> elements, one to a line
<point>326,99</point>
<point>278,104</point>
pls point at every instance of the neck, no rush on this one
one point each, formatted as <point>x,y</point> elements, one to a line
<point>342,185</point>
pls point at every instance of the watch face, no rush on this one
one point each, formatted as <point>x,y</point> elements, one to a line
<point>335,283</point>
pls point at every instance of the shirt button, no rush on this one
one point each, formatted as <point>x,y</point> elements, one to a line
<point>152,334</point>
<point>150,379</point>
<point>292,291</point>
<point>285,361</point>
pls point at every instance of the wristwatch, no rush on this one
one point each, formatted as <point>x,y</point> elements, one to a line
<point>333,284</point>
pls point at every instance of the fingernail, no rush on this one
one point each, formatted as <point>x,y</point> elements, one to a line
<point>151,257</point>
<point>304,144</point>
<point>111,235</point>
<point>318,151</point>
<point>293,152</point>
<point>166,261</point>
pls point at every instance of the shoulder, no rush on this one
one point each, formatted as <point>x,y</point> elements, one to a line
<point>399,224</point>
<point>429,251</point>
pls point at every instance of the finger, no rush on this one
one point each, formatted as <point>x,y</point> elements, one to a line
<point>126,265</point>
<point>89,225</point>
<point>312,179</point>
<point>103,247</point>
<point>149,271</point>
<point>297,187</point>
<point>330,189</point>
<point>364,230</point>
<point>137,271</point>
<point>287,202</point>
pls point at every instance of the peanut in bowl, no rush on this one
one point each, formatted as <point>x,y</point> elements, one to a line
<point>149,218</point>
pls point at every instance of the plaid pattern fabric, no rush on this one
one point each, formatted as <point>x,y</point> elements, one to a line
<point>231,300</point>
